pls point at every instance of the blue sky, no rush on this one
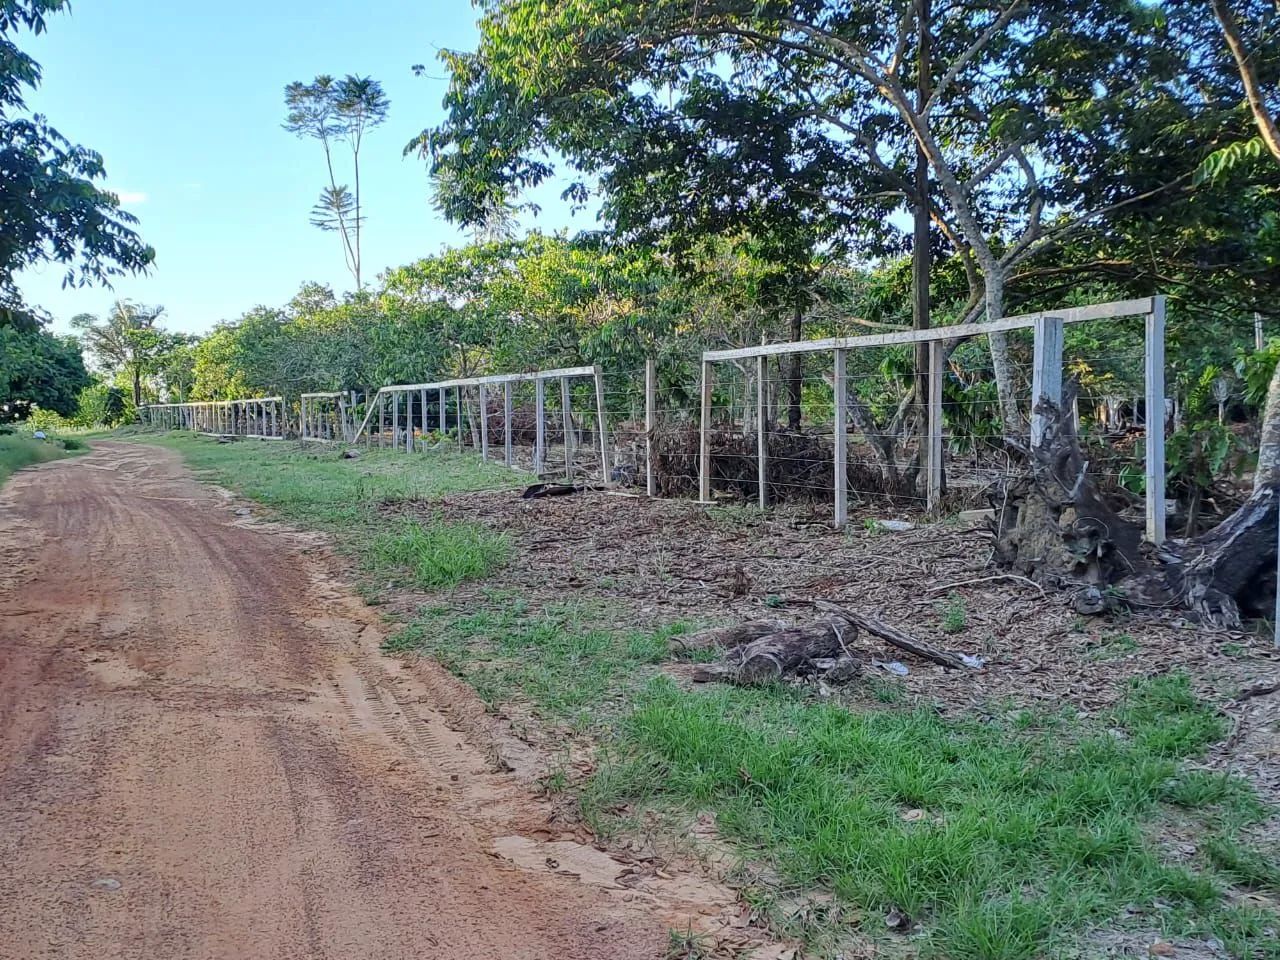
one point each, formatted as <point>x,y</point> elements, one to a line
<point>185,101</point>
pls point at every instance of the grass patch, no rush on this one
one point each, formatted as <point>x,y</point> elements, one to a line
<point>558,659</point>
<point>319,488</point>
<point>19,450</point>
<point>1000,839</point>
<point>442,554</point>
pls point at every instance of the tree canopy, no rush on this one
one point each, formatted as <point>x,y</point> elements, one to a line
<point>51,209</point>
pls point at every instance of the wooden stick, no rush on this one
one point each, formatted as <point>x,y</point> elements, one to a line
<point>893,635</point>
<point>998,576</point>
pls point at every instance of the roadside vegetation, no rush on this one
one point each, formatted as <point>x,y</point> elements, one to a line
<point>20,449</point>
<point>357,498</point>
<point>1007,833</point>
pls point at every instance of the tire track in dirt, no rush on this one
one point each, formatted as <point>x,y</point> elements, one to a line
<point>202,755</point>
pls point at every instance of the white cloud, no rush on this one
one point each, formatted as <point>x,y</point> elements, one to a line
<point>131,196</point>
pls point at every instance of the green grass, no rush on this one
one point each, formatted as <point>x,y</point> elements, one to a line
<point>953,614</point>
<point>442,554</point>
<point>319,488</point>
<point>18,451</point>
<point>1002,841</point>
<point>559,659</point>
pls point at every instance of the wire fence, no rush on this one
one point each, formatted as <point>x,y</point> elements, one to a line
<point>907,423</point>
<point>258,418</point>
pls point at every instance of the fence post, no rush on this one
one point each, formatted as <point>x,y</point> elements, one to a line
<point>704,437</point>
<point>408,421</point>
<point>395,420</point>
<point>302,419</point>
<point>506,422</point>
<point>459,416</point>
<point>1155,421</point>
<point>422,404</point>
<point>382,419</point>
<point>933,493</point>
<point>840,458</point>
<point>484,423</point>
<point>1046,372</point>
<point>762,431</point>
<point>602,417</point>
<point>650,424</point>
<point>540,430</point>
<point>566,415</point>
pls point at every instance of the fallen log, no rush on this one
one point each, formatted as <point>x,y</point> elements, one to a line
<point>791,651</point>
<point>727,637</point>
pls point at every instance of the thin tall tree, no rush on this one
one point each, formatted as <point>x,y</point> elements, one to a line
<point>338,111</point>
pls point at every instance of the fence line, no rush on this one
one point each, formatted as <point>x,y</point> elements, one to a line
<point>437,393</point>
<point>1047,367</point>
<point>725,417</point>
<point>317,413</point>
<point>257,418</point>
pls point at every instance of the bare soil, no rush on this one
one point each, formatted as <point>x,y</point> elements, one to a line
<point>203,755</point>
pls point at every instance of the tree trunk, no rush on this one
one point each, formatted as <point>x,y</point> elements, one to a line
<point>137,386</point>
<point>1001,366</point>
<point>775,655</point>
<point>1052,525</point>
<point>920,252</point>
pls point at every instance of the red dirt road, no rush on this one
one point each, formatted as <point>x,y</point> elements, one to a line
<point>203,755</point>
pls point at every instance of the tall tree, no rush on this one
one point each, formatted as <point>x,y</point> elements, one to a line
<point>338,111</point>
<point>50,207</point>
<point>129,341</point>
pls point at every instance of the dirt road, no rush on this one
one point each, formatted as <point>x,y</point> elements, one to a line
<point>203,755</point>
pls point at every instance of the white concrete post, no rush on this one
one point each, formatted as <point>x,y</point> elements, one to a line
<point>650,423</point>
<point>1046,372</point>
<point>762,432</point>
<point>840,458</point>
<point>1155,421</point>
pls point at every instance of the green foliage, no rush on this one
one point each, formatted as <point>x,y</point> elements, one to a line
<point>1255,369</point>
<point>103,404</point>
<point>50,207</point>
<point>1201,453</point>
<point>338,112</point>
<point>1229,158</point>
<point>38,369</point>
<point>131,342</point>
<point>955,617</point>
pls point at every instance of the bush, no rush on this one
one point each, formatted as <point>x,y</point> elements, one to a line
<point>102,404</point>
